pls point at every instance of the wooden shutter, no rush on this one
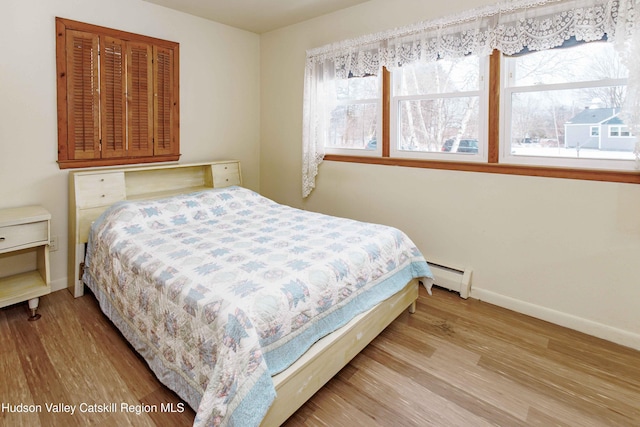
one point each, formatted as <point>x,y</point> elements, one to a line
<point>112,98</point>
<point>83,139</point>
<point>164,135</point>
<point>118,97</point>
<point>140,99</point>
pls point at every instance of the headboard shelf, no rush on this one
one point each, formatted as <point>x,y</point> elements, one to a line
<point>167,193</point>
<point>91,191</point>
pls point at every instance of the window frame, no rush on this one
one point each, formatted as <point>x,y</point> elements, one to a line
<point>481,92</point>
<point>169,117</point>
<point>346,151</point>
<point>511,87</point>
<point>493,145</point>
<point>622,131</point>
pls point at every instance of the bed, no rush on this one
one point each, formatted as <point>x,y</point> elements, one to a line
<point>242,306</point>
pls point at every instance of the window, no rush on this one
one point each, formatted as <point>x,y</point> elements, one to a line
<point>549,116</point>
<point>544,115</point>
<point>490,91</point>
<point>438,110</point>
<point>619,131</point>
<point>554,102</point>
<point>118,97</point>
<point>354,123</point>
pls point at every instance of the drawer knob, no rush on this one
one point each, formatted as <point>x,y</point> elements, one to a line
<point>2,239</point>
<point>103,195</point>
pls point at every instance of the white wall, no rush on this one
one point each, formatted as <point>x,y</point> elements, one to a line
<point>564,250</point>
<point>219,94</point>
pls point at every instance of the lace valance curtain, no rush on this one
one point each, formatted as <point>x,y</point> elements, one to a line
<point>508,26</point>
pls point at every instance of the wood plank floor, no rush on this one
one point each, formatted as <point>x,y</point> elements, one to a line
<point>454,362</point>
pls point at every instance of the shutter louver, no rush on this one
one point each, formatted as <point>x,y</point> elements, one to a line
<point>112,98</point>
<point>140,99</point>
<point>82,95</point>
<point>163,129</point>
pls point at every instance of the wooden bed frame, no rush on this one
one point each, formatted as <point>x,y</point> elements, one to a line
<point>91,191</point>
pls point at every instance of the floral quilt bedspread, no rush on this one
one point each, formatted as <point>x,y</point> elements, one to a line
<point>219,290</point>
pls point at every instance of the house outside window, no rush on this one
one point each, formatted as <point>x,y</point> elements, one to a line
<point>565,111</point>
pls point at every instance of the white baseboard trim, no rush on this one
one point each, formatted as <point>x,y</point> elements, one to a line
<point>599,330</point>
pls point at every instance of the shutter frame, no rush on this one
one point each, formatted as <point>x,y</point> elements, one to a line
<point>125,137</point>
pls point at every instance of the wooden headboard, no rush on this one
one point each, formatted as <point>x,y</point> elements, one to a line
<point>91,191</point>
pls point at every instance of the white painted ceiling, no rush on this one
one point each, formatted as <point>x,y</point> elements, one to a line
<point>258,16</point>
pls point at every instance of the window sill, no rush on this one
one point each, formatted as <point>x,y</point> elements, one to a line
<point>549,172</point>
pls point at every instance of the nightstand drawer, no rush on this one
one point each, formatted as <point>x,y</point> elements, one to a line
<point>101,189</point>
<point>226,174</point>
<point>24,235</point>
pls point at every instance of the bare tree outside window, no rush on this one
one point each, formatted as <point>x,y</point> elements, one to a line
<point>437,104</point>
<point>354,118</point>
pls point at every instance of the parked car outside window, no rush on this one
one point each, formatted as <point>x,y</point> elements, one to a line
<point>465,146</point>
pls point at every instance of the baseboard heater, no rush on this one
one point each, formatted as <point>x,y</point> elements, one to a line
<point>453,278</point>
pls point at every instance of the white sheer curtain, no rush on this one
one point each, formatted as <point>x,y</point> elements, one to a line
<point>507,26</point>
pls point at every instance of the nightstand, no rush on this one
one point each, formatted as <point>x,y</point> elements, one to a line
<point>24,245</point>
